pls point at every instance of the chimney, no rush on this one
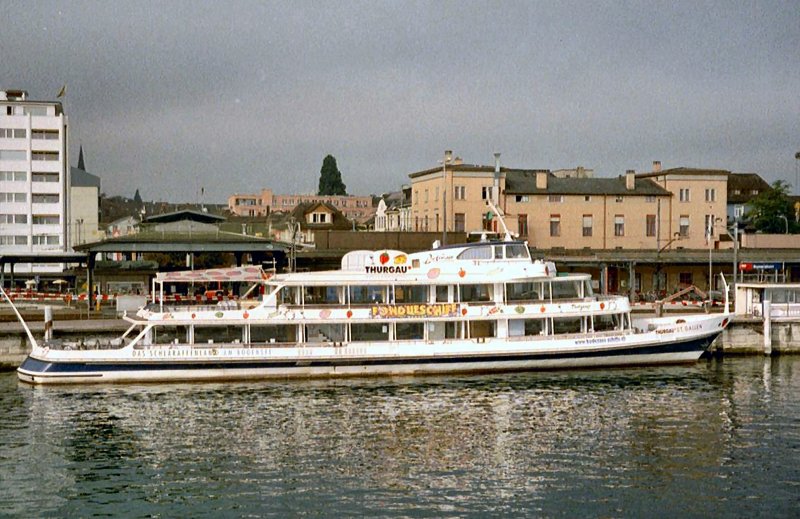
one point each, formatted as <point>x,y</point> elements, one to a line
<point>458,161</point>
<point>448,156</point>
<point>496,190</point>
<point>630,180</point>
<point>541,179</point>
<point>580,172</point>
<point>656,166</point>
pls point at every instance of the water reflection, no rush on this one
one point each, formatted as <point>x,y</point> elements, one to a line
<point>620,442</point>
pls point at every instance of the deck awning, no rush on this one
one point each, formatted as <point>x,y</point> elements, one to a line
<point>249,274</point>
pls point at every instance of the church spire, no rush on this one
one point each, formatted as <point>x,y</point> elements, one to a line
<point>81,165</point>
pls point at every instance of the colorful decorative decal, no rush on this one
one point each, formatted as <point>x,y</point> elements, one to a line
<point>245,314</point>
<point>462,273</point>
<point>519,309</point>
<point>433,273</point>
<point>400,259</point>
<point>324,314</point>
<point>494,310</point>
<point>602,306</point>
<point>463,311</point>
<point>542,309</point>
<point>421,310</point>
<point>384,258</point>
<point>218,314</point>
<point>194,315</point>
<point>349,314</point>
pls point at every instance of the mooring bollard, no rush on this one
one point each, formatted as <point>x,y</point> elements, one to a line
<point>48,323</point>
<point>767,328</point>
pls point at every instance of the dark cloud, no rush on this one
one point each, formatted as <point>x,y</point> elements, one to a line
<point>169,97</point>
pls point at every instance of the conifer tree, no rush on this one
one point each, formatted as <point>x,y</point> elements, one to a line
<point>330,179</point>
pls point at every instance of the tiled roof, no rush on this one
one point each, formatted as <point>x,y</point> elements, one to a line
<point>524,183</point>
<point>745,184</point>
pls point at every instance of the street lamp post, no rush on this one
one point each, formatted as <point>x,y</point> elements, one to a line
<point>786,223</point>
<point>447,157</point>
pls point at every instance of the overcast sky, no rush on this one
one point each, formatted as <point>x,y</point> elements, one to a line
<point>169,97</point>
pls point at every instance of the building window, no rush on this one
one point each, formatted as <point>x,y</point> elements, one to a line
<point>319,217</point>
<point>13,176</point>
<point>44,198</point>
<point>426,195</point>
<point>44,177</point>
<point>521,198</point>
<point>738,211</point>
<point>486,193</point>
<point>619,199</point>
<point>684,225</point>
<point>50,135</point>
<point>44,155</point>
<point>13,218</point>
<point>711,195</point>
<point>459,192</point>
<point>684,194</point>
<point>436,194</point>
<point>709,228</point>
<point>587,198</point>
<point>522,224</point>
<point>619,225</point>
<point>13,197</point>
<point>45,239</point>
<point>685,278</point>
<point>587,225</point>
<point>754,191</point>
<point>555,225</point>
<point>460,223</point>
<point>13,133</point>
<point>650,199</point>
<point>35,110</point>
<point>556,199</point>
<point>14,240</point>
<point>46,219</point>
<point>650,225</point>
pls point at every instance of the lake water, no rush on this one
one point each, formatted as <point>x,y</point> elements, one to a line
<point>717,439</point>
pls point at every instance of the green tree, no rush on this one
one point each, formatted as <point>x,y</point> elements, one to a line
<point>330,179</point>
<point>770,207</point>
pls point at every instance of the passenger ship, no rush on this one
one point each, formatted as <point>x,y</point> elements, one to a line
<point>475,307</point>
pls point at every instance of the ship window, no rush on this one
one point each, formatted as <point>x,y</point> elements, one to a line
<point>567,325</point>
<point>369,332</point>
<point>438,330</point>
<point>607,322</point>
<point>475,293</point>
<point>217,334</point>
<point>321,295</point>
<point>566,290</point>
<point>288,296</point>
<point>370,294</point>
<point>516,251</point>
<point>279,333</point>
<point>442,294</point>
<point>498,252</point>
<point>522,291</point>
<point>525,327</point>
<point>169,334</point>
<point>481,328</point>
<point>476,253</point>
<point>411,294</point>
<point>410,331</point>
<point>325,332</point>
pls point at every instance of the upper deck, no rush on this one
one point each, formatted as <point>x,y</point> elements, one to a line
<point>483,262</point>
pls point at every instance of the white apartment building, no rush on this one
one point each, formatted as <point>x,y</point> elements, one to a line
<point>34,175</point>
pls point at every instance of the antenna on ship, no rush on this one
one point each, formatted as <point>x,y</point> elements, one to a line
<point>494,200</point>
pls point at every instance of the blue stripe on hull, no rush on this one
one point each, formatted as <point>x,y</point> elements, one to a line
<point>35,367</point>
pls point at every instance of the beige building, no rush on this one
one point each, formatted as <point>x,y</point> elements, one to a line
<point>549,211</point>
<point>699,204</point>
<point>358,208</point>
